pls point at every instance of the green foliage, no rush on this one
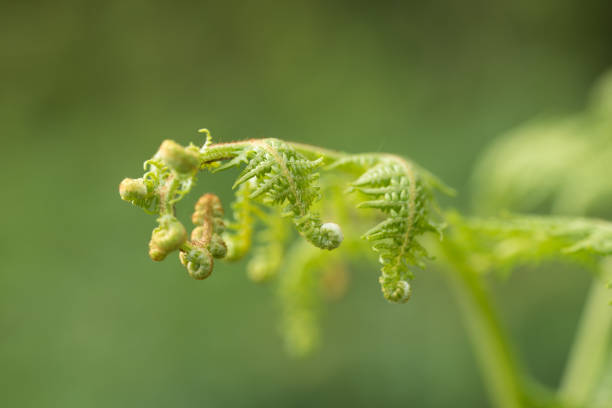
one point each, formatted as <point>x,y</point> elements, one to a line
<point>239,232</point>
<point>396,187</point>
<point>502,242</point>
<point>284,177</point>
<point>281,183</point>
<point>562,164</point>
<point>300,298</point>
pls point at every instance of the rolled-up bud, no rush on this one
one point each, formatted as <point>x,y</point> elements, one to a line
<point>236,248</point>
<point>133,189</point>
<point>217,246</point>
<point>201,235</point>
<point>198,261</point>
<point>331,235</point>
<point>155,253</point>
<point>178,158</point>
<point>208,209</point>
<point>397,292</point>
<point>325,236</point>
<point>167,237</point>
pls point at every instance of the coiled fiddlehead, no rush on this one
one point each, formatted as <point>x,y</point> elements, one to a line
<point>402,192</point>
<point>206,241</point>
<point>284,177</point>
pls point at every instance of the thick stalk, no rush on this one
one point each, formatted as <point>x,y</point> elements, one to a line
<point>588,354</point>
<point>496,360</point>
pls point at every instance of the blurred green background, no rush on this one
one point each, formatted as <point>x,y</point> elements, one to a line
<point>90,89</point>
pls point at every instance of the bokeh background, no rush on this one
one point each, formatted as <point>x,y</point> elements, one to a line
<point>89,90</point>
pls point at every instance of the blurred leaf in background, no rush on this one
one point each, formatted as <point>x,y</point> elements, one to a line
<point>562,163</point>
<point>89,90</point>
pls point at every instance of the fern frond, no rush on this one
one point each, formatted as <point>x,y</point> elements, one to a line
<point>283,177</point>
<point>507,241</point>
<point>206,240</point>
<point>395,187</point>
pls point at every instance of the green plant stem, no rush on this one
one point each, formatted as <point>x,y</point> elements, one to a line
<point>496,360</point>
<point>602,397</point>
<point>588,354</point>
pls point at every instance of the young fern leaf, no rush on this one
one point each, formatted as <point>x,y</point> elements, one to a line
<point>397,188</point>
<point>286,178</point>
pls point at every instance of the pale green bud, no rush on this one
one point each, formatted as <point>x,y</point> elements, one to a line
<point>178,158</point>
<point>397,292</point>
<point>167,237</point>
<point>236,248</point>
<point>133,189</point>
<point>331,236</point>
<point>156,254</point>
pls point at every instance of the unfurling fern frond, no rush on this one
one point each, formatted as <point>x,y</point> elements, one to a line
<point>398,189</point>
<point>206,241</point>
<point>282,175</point>
<point>285,178</point>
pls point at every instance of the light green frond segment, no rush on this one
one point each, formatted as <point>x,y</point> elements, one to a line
<point>239,232</point>
<point>232,154</point>
<point>300,295</point>
<point>508,241</point>
<point>355,163</point>
<point>269,252</point>
<point>300,301</point>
